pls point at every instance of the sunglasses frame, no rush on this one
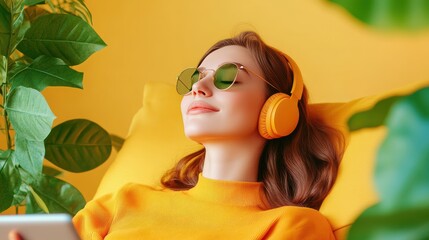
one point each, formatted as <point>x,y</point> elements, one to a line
<point>239,67</point>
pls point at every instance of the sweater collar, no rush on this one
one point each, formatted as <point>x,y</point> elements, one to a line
<point>234,193</point>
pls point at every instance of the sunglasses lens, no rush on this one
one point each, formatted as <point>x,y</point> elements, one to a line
<point>225,76</point>
<point>186,79</point>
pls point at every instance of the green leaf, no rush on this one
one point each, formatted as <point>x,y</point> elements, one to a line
<point>5,29</point>
<point>389,14</point>
<point>403,158</point>
<point>20,194</point>
<point>50,171</point>
<point>3,5</point>
<point>10,180</point>
<point>401,175</point>
<point>11,19</point>
<point>403,223</point>
<point>6,191</point>
<point>78,145</point>
<point>33,2</point>
<point>57,195</point>
<point>75,7</point>
<point>61,36</point>
<point>29,113</point>
<point>43,72</point>
<point>31,206</point>
<point>39,201</point>
<point>29,155</point>
<point>373,117</point>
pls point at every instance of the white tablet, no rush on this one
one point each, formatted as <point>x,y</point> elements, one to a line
<point>39,226</point>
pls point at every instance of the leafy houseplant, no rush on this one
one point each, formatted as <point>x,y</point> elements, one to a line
<point>401,170</point>
<point>402,162</point>
<point>39,42</point>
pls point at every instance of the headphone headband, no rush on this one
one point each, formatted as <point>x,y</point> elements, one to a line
<point>298,83</point>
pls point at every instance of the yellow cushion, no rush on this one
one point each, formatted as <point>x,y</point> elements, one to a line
<point>156,141</point>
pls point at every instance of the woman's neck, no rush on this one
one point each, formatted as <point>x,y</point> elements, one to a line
<point>233,160</point>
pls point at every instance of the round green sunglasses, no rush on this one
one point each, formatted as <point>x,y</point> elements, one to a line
<point>223,78</point>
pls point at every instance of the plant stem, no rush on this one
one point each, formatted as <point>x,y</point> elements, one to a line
<point>6,121</point>
<point>4,93</point>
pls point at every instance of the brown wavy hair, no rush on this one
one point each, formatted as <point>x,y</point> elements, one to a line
<point>297,170</point>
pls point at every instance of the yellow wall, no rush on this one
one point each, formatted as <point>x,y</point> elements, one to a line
<point>153,40</point>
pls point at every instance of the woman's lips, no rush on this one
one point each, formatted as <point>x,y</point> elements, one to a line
<point>200,107</point>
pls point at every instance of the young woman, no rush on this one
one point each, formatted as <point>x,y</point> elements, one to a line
<point>265,167</point>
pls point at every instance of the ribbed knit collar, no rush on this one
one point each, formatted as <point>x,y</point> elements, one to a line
<point>234,193</point>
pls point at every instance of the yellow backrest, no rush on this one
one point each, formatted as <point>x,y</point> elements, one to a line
<point>156,141</point>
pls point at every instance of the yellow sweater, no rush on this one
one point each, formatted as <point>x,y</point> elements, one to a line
<point>211,210</point>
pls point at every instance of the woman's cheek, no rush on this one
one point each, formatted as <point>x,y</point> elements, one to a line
<point>184,105</point>
<point>247,108</point>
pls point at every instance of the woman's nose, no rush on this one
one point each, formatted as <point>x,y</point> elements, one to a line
<point>203,86</point>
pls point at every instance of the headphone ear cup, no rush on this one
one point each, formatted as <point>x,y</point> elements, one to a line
<point>279,116</point>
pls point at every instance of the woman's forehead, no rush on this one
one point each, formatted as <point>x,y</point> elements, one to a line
<point>233,53</point>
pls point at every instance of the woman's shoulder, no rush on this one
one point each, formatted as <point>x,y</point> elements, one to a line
<point>307,223</point>
<point>302,215</point>
<point>299,211</point>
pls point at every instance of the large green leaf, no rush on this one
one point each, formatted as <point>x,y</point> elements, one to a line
<point>78,145</point>
<point>390,14</point>
<point>57,195</point>
<point>20,194</point>
<point>75,7</point>
<point>33,2</point>
<point>5,28</point>
<point>34,197</point>
<point>403,223</point>
<point>6,190</point>
<point>29,155</point>
<point>6,193</point>
<point>373,117</point>
<point>29,113</point>
<point>10,181</point>
<point>50,171</point>
<point>61,36</point>
<point>4,6</point>
<point>401,176</point>
<point>32,206</point>
<point>11,20</point>
<point>43,72</point>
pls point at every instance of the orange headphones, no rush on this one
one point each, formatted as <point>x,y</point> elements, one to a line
<point>280,114</point>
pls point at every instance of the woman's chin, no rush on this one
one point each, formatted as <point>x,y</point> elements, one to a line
<point>199,138</point>
<point>204,136</point>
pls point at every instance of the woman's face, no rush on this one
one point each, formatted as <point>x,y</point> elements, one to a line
<point>210,114</point>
